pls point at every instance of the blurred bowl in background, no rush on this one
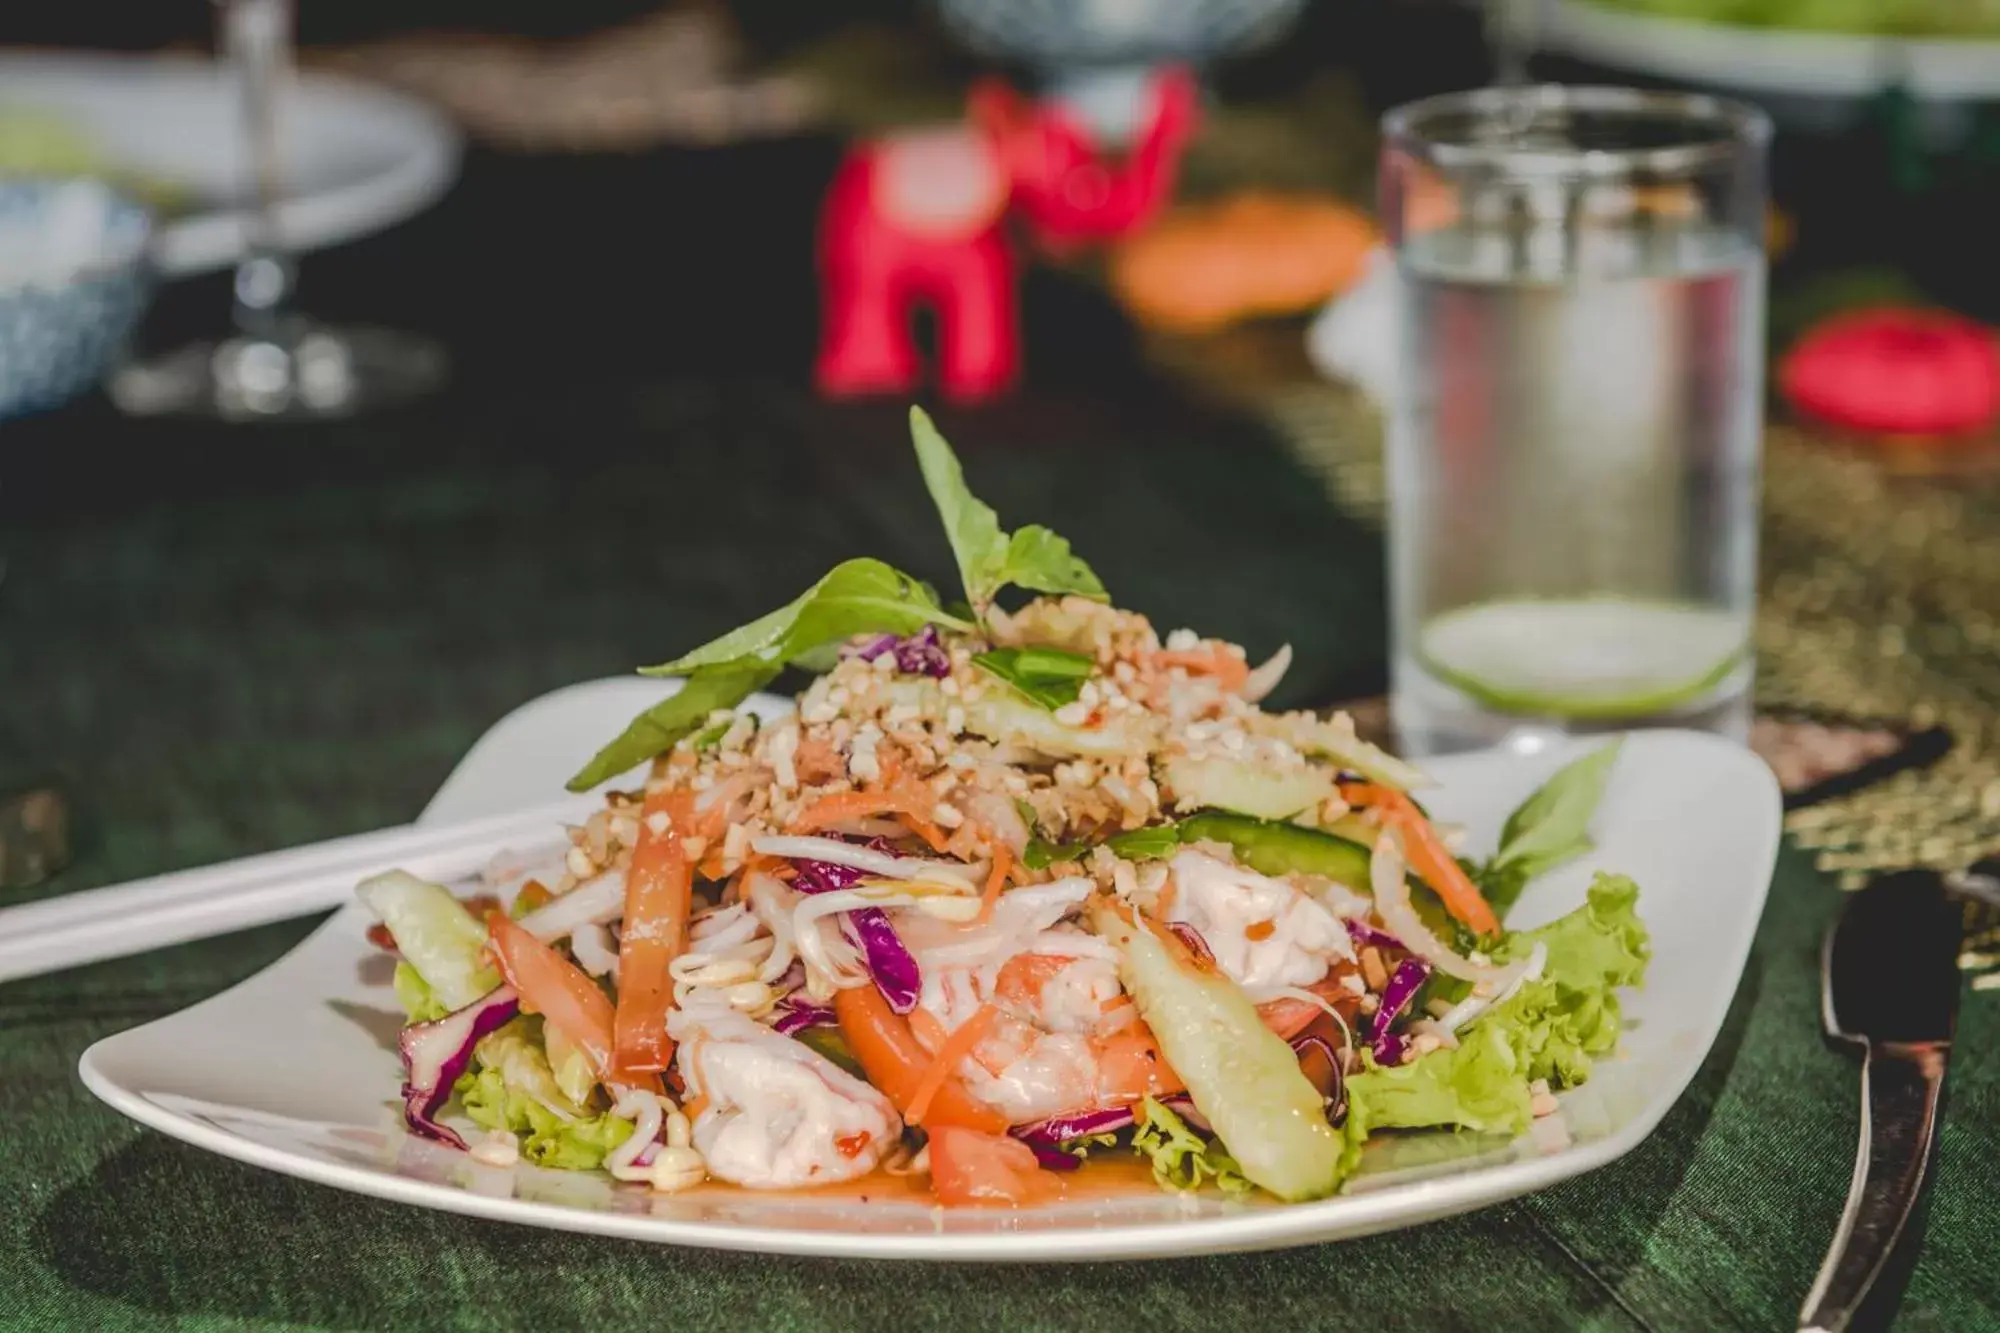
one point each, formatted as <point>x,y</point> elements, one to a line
<point>1096,55</point>
<point>74,279</point>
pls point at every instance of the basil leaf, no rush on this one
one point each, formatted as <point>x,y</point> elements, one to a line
<point>1047,676</point>
<point>718,685</point>
<point>988,558</point>
<point>859,596</point>
<point>1553,825</point>
<point>1140,844</point>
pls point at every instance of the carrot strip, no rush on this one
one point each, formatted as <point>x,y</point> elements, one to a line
<point>1429,857</point>
<point>659,888</point>
<point>557,989</point>
<point>1229,670</point>
<point>996,880</point>
<point>956,1047</point>
<point>895,1062</point>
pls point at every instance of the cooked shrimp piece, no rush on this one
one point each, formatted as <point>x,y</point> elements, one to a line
<point>777,1114</point>
<point>1063,1036</point>
<point>1263,932</point>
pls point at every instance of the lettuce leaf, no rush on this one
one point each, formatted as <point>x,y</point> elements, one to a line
<point>1549,1028</point>
<point>988,558</point>
<point>1183,1159</point>
<point>513,1089</point>
<point>1481,1084</point>
<point>419,1001</point>
<point>1598,946</point>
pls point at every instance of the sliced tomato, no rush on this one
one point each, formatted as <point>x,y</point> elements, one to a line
<point>969,1168</point>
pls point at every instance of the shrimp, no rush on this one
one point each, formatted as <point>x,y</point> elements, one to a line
<point>1064,1035</point>
<point>777,1114</point>
<point>1266,935</point>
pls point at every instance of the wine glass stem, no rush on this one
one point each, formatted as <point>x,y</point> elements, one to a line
<point>1512,26</point>
<point>257,41</point>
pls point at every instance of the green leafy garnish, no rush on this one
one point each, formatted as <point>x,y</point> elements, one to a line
<point>1182,1159</point>
<point>513,1088</point>
<point>1551,827</point>
<point>988,558</point>
<point>655,730</point>
<point>859,596</point>
<point>1050,677</point>
<point>1550,1028</point>
<point>1139,844</point>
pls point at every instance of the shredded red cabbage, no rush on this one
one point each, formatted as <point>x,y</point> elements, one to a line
<point>1054,1159</point>
<point>436,1053</point>
<point>1191,937</point>
<point>1404,982</point>
<point>889,961</point>
<point>921,654</point>
<point>1060,1129</point>
<point>795,1016</point>
<point>1363,933</point>
<point>1336,1110</point>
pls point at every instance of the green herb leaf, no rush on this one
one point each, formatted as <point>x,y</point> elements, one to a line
<point>1139,844</point>
<point>1047,676</point>
<point>988,558</point>
<point>861,596</point>
<point>1553,825</point>
<point>721,685</point>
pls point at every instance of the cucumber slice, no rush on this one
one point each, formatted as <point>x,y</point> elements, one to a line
<point>1243,1079</point>
<point>1272,848</point>
<point>1246,787</point>
<point>435,934</point>
<point>1003,715</point>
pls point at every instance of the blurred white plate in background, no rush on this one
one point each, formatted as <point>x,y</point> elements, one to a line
<point>357,158</point>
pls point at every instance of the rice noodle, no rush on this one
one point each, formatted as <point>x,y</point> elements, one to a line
<point>596,901</point>
<point>594,951</point>
<point>834,852</point>
<point>643,1110</point>
<point>1392,904</point>
<point>1472,1006</point>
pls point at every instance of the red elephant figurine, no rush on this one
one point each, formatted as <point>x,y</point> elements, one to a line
<point>920,217</point>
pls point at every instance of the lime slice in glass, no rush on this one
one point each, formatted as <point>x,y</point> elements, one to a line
<point>1596,659</point>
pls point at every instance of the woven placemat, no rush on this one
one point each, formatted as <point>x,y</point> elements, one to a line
<point>677,76</point>
<point>1880,590</point>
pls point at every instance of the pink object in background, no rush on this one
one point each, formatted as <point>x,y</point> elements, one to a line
<point>918,218</point>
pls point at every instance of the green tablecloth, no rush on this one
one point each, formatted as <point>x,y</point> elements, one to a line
<point>236,640</point>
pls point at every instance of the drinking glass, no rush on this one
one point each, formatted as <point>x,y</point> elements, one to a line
<point>1574,440</point>
<point>279,365</point>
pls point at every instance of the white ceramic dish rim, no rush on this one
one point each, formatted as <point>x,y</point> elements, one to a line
<point>1261,1228</point>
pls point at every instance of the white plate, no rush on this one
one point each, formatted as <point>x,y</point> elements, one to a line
<point>1807,64</point>
<point>357,158</point>
<point>293,1070</point>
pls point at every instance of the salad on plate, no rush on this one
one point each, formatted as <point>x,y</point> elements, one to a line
<point>1011,895</point>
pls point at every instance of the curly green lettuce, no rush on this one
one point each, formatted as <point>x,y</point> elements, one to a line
<point>513,1089</point>
<point>1181,1158</point>
<point>1548,1029</point>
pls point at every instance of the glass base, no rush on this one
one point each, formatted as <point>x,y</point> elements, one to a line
<point>302,371</point>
